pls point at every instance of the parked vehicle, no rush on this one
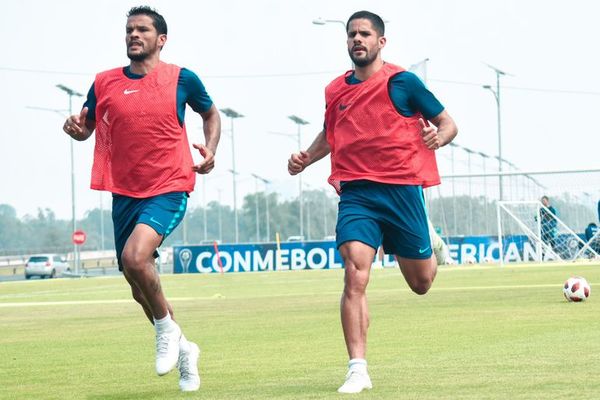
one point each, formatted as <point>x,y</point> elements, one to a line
<point>46,266</point>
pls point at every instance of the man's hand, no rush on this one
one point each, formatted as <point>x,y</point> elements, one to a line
<point>209,159</point>
<point>430,136</point>
<point>75,125</point>
<point>297,162</point>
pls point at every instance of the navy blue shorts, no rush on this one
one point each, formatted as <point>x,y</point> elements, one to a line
<point>162,212</point>
<point>392,215</point>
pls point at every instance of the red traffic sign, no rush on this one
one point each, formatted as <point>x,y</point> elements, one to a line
<point>79,237</point>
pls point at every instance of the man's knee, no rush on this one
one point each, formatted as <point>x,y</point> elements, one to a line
<point>419,274</point>
<point>356,280</point>
<point>421,286</point>
<point>134,260</point>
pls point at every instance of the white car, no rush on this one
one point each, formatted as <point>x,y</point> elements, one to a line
<point>46,266</point>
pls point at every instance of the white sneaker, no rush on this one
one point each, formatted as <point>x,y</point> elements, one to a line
<point>167,350</point>
<point>449,261</point>
<point>441,251</point>
<point>355,382</point>
<point>189,379</point>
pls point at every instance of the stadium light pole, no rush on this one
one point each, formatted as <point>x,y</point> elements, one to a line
<point>232,115</point>
<point>321,21</point>
<point>308,229</point>
<point>469,152</point>
<point>485,199</point>
<point>204,207</point>
<point>299,122</point>
<point>256,208</point>
<point>234,173</point>
<point>454,222</point>
<point>72,93</point>
<point>496,94</point>
<point>266,182</point>
<point>324,213</point>
<point>219,216</point>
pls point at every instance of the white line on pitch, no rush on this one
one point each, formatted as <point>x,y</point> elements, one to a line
<point>124,301</point>
<point>83,302</point>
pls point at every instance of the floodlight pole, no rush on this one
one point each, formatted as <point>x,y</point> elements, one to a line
<point>204,207</point>
<point>232,114</point>
<point>485,198</point>
<point>496,94</point>
<point>321,21</point>
<point>70,92</point>
<point>219,217</point>
<point>256,208</point>
<point>299,122</point>
<point>266,182</point>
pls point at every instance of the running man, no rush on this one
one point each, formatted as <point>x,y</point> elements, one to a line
<point>142,156</point>
<point>382,156</point>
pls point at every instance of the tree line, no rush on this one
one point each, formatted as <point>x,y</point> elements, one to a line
<point>460,215</point>
<point>45,232</point>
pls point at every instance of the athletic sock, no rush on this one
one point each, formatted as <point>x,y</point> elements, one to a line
<point>165,324</point>
<point>358,364</point>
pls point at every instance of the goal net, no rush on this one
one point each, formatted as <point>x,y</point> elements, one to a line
<point>529,231</point>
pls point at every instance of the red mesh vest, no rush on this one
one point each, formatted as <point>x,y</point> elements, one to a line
<point>370,139</point>
<point>141,150</point>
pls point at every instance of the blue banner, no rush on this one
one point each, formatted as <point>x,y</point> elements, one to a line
<point>324,255</point>
<point>256,257</point>
<point>516,248</point>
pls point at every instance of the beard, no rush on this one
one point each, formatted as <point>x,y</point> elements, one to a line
<point>138,56</point>
<point>362,61</point>
<point>144,54</point>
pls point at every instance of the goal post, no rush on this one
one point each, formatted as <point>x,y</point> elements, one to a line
<point>542,235</point>
<point>465,210</point>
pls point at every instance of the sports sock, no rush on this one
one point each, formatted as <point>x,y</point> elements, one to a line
<point>358,364</point>
<point>165,324</point>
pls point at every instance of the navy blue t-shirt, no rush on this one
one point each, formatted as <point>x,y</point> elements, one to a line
<point>190,90</point>
<point>409,95</point>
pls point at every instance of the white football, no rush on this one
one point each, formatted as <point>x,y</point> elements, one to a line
<point>577,289</point>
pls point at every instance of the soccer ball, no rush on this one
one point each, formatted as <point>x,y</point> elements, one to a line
<point>577,289</point>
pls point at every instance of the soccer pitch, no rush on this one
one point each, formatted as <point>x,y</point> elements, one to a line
<point>482,332</point>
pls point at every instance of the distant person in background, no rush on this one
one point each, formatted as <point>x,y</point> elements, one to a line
<point>143,157</point>
<point>590,232</point>
<point>382,156</point>
<point>548,223</point>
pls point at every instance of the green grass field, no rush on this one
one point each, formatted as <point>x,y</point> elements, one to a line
<point>481,333</point>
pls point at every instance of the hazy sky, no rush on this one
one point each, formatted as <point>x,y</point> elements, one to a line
<point>266,60</point>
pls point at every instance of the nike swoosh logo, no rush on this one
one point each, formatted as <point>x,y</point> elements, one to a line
<point>155,221</point>
<point>343,106</point>
<point>421,251</point>
<point>127,91</point>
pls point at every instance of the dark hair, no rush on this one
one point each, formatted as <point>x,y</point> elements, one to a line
<point>157,20</point>
<point>545,197</point>
<point>375,20</point>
